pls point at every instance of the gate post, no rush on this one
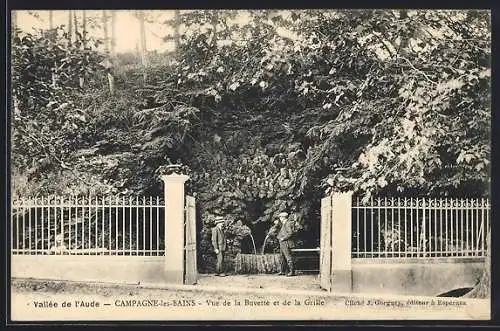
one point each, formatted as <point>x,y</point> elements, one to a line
<point>341,242</point>
<point>174,227</point>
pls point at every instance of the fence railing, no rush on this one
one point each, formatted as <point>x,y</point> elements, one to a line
<point>88,225</point>
<point>419,227</point>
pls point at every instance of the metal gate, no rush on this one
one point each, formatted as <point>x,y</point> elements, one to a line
<point>190,265</point>
<point>325,266</point>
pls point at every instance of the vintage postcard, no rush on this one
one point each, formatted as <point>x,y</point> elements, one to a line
<point>179,165</point>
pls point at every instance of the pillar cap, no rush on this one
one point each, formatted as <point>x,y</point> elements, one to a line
<point>175,178</point>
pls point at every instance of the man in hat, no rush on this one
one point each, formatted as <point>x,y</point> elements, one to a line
<point>286,244</point>
<point>219,244</point>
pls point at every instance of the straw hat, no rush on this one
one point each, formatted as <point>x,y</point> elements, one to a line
<point>283,214</point>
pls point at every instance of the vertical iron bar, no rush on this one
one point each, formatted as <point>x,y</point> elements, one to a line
<point>48,222</point>
<point>441,226</point>
<point>123,225</point>
<point>61,209</point>
<point>89,239</point>
<point>417,233</point>
<point>434,221</point>
<point>405,207</point>
<point>385,227</point>
<point>399,226</point>
<point>110,225</point>
<point>358,232</point>
<point>365,234</point>
<point>116,225</point>
<point>474,227</point>
<point>457,226</point>
<point>461,212</point>
<point>130,225</point>
<point>393,232</point>
<point>467,227</point>
<point>157,225</point>
<point>151,208</point>
<point>36,224</point>
<point>424,227</point>
<point>30,207</point>
<point>379,230</point>
<point>411,224</point>
<point>82,222</point>
<point>96,226</point>
<point>103,220</point>
<point>70,220</point>
<point>143,225</point>
<point>452,225</point>
<point>481,228</point>
<point>371,227</point>
<point>43,224</point>
<point>486,226</point>
<point>136,225</point>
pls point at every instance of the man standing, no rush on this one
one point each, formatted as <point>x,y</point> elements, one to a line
<point>286,244</point>
<point>219,244</point>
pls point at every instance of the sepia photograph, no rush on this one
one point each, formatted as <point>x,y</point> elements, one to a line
<point>255,165</point>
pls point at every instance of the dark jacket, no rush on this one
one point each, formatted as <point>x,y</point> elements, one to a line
<point>287,232</point>
<point>218,239</point>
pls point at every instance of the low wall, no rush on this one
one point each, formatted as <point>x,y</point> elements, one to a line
<point>415,276</point>
<point>100,268</point>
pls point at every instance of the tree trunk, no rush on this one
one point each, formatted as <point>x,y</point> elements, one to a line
<point>70,26</point>
<point>113,29</point>
<point>75,22</point>
<point>105,27</point>
<point>215,21</point>
<point>482,290</point>
<point>51,20</point>
<point>13,18</point>
<point>405,38</point>
<point>177,23</point>
<point>84,27</point>
<point>140,16</point>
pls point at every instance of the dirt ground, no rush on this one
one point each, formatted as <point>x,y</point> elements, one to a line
<point>300,282</point>
<point>309,282</point>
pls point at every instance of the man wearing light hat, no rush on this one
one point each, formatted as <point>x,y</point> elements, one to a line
<point>219,244</point>
<point>286,244</point>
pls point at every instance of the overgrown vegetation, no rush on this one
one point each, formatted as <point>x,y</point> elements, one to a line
<point>269,114</point>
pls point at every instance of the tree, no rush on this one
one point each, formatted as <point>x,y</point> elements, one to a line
<point>84,26</point>
<point>70,26</point>
<point>51,20</point>
<point>105,29</point>
<point>143,48</point>
<point>113,33</point>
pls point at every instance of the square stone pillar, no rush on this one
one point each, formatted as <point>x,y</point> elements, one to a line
<point>174,228</point>
<point>341,242</point>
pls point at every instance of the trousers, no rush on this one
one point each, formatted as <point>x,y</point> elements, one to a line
<point>220,261</point>
<point>286,258</point>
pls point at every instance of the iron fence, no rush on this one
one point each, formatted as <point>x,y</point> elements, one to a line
<point>419,227</point>
<point>88,225</point>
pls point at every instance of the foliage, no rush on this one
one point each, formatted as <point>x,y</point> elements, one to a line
<point>48,73</point>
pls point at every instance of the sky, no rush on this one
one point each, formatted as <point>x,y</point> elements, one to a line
<point>127,26</point>
<point>126,32</point>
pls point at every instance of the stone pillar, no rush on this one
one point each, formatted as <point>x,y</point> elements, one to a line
<point>341,242</point>
<point>174,227</point>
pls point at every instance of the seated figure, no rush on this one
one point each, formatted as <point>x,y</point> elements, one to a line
<point>59,247</point>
